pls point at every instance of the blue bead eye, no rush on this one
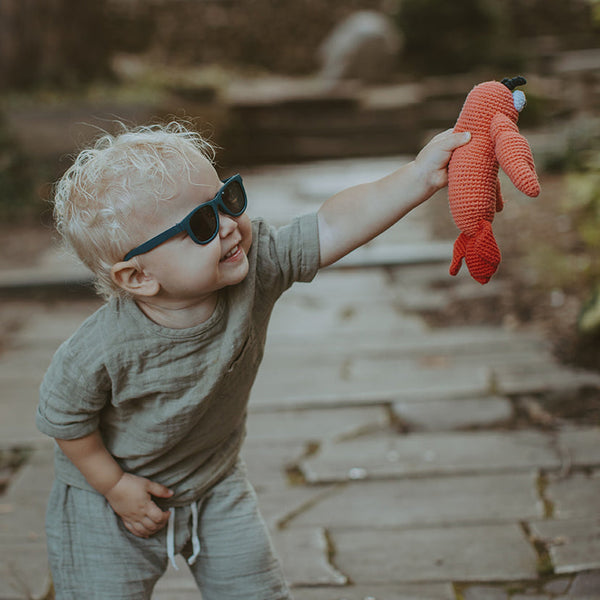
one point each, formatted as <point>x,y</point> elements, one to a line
<point>519,100</point>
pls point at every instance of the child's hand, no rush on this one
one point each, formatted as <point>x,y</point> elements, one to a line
<point>433,159</point>
<point>131,499</point>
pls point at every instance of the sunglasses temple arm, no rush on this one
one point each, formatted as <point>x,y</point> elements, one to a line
<point>155,241</point>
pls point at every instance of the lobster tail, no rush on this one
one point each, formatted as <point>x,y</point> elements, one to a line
<point>481,253</point>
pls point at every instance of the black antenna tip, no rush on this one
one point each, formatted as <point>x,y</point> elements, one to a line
<point>511,84</point>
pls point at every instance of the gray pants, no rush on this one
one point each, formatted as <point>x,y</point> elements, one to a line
<point>93,556</point>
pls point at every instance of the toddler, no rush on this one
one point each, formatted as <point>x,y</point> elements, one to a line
<point>147,400</point>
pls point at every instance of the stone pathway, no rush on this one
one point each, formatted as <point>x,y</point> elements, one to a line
<point>393,460</point>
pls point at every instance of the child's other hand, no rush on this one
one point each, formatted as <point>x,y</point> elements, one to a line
<point>131,499</point>
<point>433,159</point>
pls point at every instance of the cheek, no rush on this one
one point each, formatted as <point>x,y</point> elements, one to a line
<point>245,226</point>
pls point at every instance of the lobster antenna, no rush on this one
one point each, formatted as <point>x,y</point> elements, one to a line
<point>511,84</point>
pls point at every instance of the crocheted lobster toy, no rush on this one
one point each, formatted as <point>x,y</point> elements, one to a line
<point>490,113</point>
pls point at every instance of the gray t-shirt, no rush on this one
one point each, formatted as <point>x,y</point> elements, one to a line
<point>171,403</point>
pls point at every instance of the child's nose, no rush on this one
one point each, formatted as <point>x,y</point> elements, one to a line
<point>227,225</point>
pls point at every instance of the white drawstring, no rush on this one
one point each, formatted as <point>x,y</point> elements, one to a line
<point>195,540</point>
<point>171,537</point>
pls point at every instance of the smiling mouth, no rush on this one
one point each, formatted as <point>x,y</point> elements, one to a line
<point>232,252</point>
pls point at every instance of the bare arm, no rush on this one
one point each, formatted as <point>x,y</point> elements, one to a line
<point>94,461</point>
<point>360,213</point>
<point>130,496</point>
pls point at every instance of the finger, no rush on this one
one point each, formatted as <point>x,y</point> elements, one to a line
<point>149,525</point>
<point>134,528</point>
<point>141,530</point>
<point>158,516</point>
<point>159,490</point>
<point>442,135</point>
<point>460,138</point>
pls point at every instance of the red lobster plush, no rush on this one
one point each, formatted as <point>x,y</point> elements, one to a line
<point>490,113</point>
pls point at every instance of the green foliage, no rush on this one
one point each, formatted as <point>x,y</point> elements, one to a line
<point>65,43</point>
<point>583,204</point>
<point>16,188</point>
<point>589,318</point>
<point>451,37</point>
<point>576,22</point>
<point>595,8</point>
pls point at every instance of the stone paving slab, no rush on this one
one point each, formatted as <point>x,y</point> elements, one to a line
<point>479,553</point>
<point>50,325</point>
<point>454,342</point>
<point>17,412</point>
<point>267,461</point>
<point>581,446</point>
<point>332,303</point>
<point>397,254</point>
<point>291,190</point>
<point>484,592</point>
<point>421,454</point>
<point>452,414</point>
<point>25,362</point>
<point>24,571</point>
<point>361,382</point>
<point>442,591</point>
<point>287,189</point>
<point>54,268</point>
<point>574,544</point>
<point>279,504</point>
<point>22,368</point>
<point>316,425</point>
<point>305,557</point>
<point>577,495</point>
<point>544,377</point>
<point>23,560</point>
<point>428,501</point>
<point>586,585</point>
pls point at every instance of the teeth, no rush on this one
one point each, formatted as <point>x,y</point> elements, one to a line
<point>231,252</point>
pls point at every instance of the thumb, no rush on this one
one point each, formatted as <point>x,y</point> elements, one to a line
<point>460,139</point>
<point>159,490</point>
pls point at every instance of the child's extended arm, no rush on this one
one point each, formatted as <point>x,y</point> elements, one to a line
<point>358,214</point>
<point>130,496</point>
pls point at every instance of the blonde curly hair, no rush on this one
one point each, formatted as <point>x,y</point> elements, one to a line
<point>95,199</point>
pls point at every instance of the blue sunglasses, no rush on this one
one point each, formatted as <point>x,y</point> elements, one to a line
<point>202,224</point>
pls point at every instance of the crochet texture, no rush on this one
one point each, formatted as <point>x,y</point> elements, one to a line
<point>473,185</point>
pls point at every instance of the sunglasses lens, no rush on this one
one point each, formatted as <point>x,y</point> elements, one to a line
<point>204,223</point>
<point>234,198</point>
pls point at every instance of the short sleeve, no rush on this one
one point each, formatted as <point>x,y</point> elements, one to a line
<point>288,254</point>
<point>73,392</point>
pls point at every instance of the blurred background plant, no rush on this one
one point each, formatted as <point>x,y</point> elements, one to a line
<point>582,204</point>
<point>17,198</point>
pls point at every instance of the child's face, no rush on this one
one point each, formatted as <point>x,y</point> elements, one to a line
<point>186,270</point>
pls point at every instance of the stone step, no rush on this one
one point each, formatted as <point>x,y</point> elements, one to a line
<point>574,496</point>
<point>386,456</point>
<point>428,502</point>
<point>364,383</point>
<point>573,544</point>
<point>452,414</point>
<point>23,561</point>
<point>433,591</point>
<point>477,553</point>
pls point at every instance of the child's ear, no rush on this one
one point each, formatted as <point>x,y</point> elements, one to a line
<point>130,277</point>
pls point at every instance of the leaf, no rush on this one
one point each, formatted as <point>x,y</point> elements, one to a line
<point>589,318</point>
